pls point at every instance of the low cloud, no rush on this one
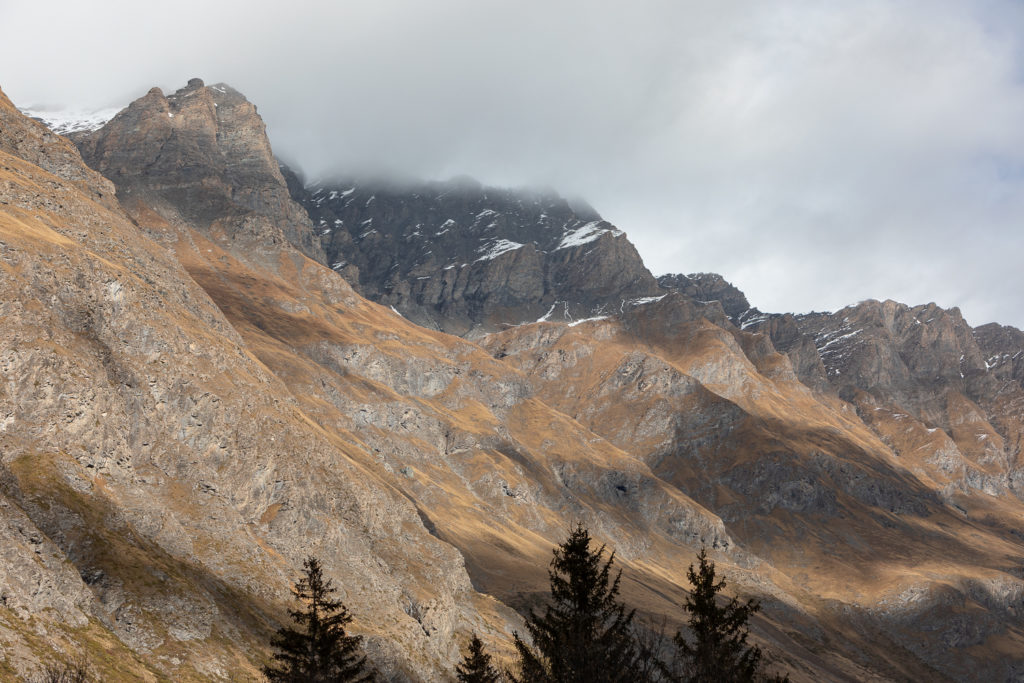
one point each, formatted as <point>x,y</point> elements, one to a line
<point>814,153</point>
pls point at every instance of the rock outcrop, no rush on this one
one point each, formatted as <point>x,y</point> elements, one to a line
<point>465,259</point>
<point>200,157</point>
<point>708,287</point>
<point>162,484</point>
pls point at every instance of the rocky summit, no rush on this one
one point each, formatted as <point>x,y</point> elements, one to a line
<point>467,259</point>
<point>211,372</point>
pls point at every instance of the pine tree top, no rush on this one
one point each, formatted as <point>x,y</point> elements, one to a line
<point>583,634</point>
<point>319,650</point>
<point>476,665</point>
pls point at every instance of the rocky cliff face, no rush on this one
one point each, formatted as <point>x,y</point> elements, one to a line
<point>219,406</point>
<point>200,157</point>
<point>464,258</point>
<point>917,371</point>
<point>708,287</point>
<point>866,500</point>
<point>160,482</point>
<point>191,404</point>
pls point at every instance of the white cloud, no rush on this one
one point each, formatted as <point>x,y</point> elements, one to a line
<point>815,153</point>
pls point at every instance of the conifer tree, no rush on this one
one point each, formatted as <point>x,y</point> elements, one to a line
<point>584,634</point>
<point>717,650</point>
<point>319,651</point>
<point>476,665</point>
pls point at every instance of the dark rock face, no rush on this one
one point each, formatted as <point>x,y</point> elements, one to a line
<point>201,154</point>
<point>885,348</point>
<point>922,380</point>
<point>708,287</point>
<point>461,257</point>
<point>1003,350</point>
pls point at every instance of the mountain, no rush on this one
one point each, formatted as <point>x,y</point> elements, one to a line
<point>69,122</point>
<point>200,156</point>
<point>468,259</point>
<point>195,399</point>
<point>234,406</point>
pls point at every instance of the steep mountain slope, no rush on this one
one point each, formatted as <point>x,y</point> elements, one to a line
<point>265,411</point>
<point>880,462</point>
<point>208,403</point>
<point>863,531</point>
<point>464,258</point>
<point>940,394</point>
<point>161,481</point>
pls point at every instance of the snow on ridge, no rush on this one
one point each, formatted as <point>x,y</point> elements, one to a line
<point>646,300</point>
<point>574,323</point>
<point>498,248</point>
<point>753,319</point>
<point>829,339</point>
<point>72,120</point>
<point>547,316</point>
<point>586,233</point>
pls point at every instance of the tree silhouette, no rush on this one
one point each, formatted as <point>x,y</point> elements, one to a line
<point>319,651</point>
<point>584,635</point>
<point>717,650</point>
<point>476,665</point>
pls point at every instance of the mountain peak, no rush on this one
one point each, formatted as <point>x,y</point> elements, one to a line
<point>465,258</point>
<point>199,155</point>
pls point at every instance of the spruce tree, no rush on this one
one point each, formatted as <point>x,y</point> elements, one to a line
<point>319,651</point>
<point>476,665</point>
<point>717,650</point>
<point>584,634</point>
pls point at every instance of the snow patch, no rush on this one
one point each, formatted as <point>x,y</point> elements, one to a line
<point>547,316</point>
<point>497,249</point>
<point>587,233</point>
<point>574,323</point>
<point>646,300</point>
<point>835,340</point>
<point>71,120</point>
<point>752,320</point>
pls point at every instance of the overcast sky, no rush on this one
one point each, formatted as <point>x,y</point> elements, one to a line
<point>814,153</point>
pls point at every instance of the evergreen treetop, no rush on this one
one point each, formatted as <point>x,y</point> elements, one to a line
<point>583,635</point>
<point>319,651</point>
<point>476,665</point>
<point>719,650</point>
